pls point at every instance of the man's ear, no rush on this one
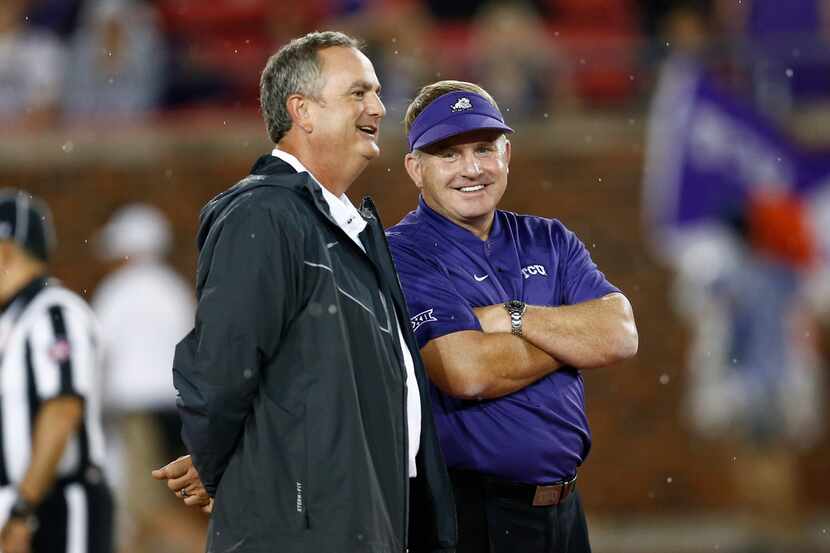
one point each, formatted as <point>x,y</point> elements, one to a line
<point>412,162</point>
<point>297,106</point>
<point>507,150</point>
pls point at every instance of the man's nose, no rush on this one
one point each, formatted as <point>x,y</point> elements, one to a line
<point>375,106</point>
<point>470,165</point>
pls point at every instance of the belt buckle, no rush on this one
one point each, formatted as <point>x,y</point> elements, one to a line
<point>546,496</point>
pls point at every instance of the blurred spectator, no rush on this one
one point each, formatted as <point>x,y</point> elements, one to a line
<point>462,10</point>
<point>684,30</point>
<point>600,40</point>
<point>785,49</point>
<point>213,48</point>
<point>754,373</point>
<point>144,308</point>
<point>58,16</point>
<point>517,61</point>
<point>725,197</point>
<point>398,37</point>
<point>31,70</point>
<point>116,62</point>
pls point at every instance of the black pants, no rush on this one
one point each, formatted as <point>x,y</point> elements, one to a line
<point>75,518</point>
<point>492,523</point>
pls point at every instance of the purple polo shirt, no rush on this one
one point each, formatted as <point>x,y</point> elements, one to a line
<point>538,434</point>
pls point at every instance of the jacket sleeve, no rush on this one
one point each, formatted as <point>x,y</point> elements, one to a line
<point>247,278</point>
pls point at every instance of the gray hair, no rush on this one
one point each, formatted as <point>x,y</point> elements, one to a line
<point>295,69</point>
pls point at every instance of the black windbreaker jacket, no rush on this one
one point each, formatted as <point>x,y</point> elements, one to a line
<point>292,388</point>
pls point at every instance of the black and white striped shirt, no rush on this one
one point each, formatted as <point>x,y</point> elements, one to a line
<point>48,349</point>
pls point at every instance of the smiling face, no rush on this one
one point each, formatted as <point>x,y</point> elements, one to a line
<point>464,177</point>
<point>345,118</point>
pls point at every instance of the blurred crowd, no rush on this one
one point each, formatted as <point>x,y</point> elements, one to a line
<point>71,60</point>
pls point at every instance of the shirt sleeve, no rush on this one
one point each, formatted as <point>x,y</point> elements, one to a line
<point>242,310</point>
<point>61,352</point>
<point>582,280</point>
<point>436,308</point>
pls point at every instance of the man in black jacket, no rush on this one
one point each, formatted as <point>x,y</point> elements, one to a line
<point>304,408</point>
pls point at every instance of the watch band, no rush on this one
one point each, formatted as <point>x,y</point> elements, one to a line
<point>25,511</point>
<point>516,309</point>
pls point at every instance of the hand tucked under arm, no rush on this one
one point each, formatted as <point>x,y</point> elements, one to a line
<point>586,335</point>
<point>473,365</point>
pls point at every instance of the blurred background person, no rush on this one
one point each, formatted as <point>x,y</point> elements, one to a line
<point>144,307</point>
<point>108,74</point>
<point>31,70</point>
<point>783,47</point>
<point>518,61</point>
<point>727,192</point>
<point>397,34</point>
<point>53,496</point>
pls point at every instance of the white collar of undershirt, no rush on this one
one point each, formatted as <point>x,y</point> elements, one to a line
<point>344,213</point>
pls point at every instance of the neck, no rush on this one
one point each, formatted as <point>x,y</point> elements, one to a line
<point>14,279</point>
<point>479,226</point>
<point>329,172</point>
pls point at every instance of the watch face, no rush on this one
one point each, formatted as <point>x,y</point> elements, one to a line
<point>515,305</point>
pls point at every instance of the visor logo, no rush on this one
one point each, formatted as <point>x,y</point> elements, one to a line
<point>462,104</point>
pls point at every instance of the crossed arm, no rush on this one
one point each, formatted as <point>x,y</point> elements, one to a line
<point>492,363</point>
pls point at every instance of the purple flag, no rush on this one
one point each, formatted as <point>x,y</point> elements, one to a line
<point>709,153</point>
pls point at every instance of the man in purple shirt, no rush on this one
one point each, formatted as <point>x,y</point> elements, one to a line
<point>507,309</point>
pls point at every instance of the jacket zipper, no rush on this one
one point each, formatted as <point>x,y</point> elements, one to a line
<point>404,376</point>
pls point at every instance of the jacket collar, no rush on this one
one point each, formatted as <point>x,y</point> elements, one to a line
<point>272,166</point>
<point>341,209</point>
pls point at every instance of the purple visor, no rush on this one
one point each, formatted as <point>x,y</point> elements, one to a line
<point>452,114</point>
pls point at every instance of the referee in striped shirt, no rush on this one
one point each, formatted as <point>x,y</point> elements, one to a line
<point>53,498</point>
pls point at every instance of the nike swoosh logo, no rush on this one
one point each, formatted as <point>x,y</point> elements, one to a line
<point>480,279</point>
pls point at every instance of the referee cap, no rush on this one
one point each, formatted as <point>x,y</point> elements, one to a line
<point>27,221</point>
<point>135,230</point>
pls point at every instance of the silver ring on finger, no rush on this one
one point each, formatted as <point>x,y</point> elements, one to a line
<point>183,493</point>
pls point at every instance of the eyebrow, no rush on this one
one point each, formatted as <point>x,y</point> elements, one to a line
<point>364,85</point>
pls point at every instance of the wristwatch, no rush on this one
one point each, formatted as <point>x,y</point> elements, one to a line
<point>515,309</point>
<point>25,511</point>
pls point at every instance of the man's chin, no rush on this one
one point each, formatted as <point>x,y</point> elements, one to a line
<point>371,152</point>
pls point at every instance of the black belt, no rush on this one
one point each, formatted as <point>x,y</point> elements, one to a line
<point>530,494</point>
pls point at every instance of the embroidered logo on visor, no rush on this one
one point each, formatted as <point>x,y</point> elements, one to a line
<point>422,318</point>
<point>462,104</point>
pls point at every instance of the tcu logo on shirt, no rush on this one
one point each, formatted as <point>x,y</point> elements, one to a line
<point>532,270</point>
<point>422,318</point>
